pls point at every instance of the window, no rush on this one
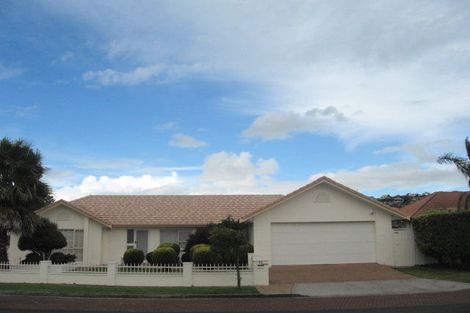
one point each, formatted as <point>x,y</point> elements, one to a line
<point>175,235</point>
<point>399,224</point>
<point>130,239</point>
<point>183,236</point>
<point>137,238</point>
<point>74,238</point>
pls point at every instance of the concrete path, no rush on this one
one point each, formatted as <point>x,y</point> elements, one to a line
<point>379,287</point>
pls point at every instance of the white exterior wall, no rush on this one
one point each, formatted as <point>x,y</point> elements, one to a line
<point>92,253</point>
<point>114,244</point>
<point>341,207</point>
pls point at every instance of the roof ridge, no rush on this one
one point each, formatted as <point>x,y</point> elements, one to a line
<point>430,197</point>
<point>168,195</point>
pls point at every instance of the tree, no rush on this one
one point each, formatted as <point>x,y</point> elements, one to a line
<point>230,240</point>
<point>21,190</point>
<point>43,240</point>
<point>462,164</point>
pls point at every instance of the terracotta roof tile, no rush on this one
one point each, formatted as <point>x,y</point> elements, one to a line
<point>179,210</point>
<point>438,201</point>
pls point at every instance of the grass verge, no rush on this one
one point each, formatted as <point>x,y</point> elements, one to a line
<point>99,291</point>
<point>441,273</point>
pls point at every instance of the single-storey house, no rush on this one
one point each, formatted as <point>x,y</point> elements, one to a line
<point>323,222</point>
<point>449,201</point>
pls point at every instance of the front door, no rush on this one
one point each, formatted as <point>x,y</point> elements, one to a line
<point>142,240</point>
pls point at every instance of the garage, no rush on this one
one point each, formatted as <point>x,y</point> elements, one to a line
<point>322,243</point>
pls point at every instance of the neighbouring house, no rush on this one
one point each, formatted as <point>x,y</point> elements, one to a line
<point>447,201</point>
<point>323,222</point>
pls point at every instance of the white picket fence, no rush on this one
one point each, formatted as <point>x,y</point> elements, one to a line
<point>113,274</point>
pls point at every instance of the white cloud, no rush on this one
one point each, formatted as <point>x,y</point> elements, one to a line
<point>9,72</point>
<point>280,125</point>
<point>222,173</point>
<point>18,111</point>
<point>232,173</point>
<point>167,126</point>
<point>145,184</point>
<point>158,73</point>
<point>394,69</point>
<point>422,152</point>
<point>185,141</point>
<point>403,177</point>
<point>65,57</point>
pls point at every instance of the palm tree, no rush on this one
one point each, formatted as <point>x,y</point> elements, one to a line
<point>21,190</point>
<point>462,164</point>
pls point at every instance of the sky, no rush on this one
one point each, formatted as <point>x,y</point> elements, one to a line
<point>212,97</point>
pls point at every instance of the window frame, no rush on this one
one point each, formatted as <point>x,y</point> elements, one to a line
<point>71,248</point>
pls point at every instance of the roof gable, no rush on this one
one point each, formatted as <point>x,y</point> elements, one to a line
<point>74,208</point>
<point>334,184</point>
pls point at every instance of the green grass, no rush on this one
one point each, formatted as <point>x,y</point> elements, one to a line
<point>95,291</point>
<point>441,273</point>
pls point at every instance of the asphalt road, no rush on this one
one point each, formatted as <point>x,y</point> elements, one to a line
<point>452,302</point>
<point>456,308</point>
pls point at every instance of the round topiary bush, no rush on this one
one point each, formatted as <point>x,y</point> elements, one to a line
<point>195,247</point>
<point>61,258</point>
<point>204,255</point>
<point>133,256</point>
<point>58,258</point>
<point>31,258</point>
<point>165,255</point>
<point>175,246</point>
<point>150,257</point>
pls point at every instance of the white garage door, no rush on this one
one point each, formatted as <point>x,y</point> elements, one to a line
<point>322,243</point>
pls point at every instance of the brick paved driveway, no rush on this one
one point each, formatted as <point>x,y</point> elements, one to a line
<point>291,274</point>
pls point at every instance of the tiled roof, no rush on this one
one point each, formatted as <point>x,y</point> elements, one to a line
<point>163,210</point>
<point>438,201</point>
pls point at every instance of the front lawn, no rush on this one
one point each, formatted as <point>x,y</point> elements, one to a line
<point>98,291</point>
<point>434,272</point>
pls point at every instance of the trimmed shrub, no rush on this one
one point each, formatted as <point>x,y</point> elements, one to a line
<point>201,235</point>
<point>195,247</point>
<point>203,254</point>
<point>444,236</point>
<point>61,258</point>
<point>165,255</point>
<point>133,256</point>
<point>31,258</point>
<point>150,257</point>
<point>172,245</point>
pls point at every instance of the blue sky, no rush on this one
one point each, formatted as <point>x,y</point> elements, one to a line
<point>237,97</point>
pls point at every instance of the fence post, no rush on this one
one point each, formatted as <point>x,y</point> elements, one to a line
<point>44,271</point>
<point>250,259</point>
<point>111,273</point>
<point>188,274</point>
<point>260,272</point>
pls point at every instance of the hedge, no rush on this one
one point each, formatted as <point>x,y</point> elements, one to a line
<point>61,258</point>
<point>31,258</point>
<point>172,245</point>
<point>164,256</point>
<point>203,254</point>
<point>444,236</point>
<point>133,256</point>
